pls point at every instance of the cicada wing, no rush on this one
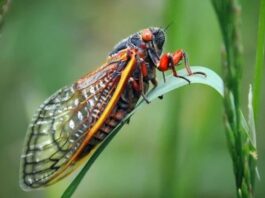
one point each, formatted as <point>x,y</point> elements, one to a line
<point>61,124</point>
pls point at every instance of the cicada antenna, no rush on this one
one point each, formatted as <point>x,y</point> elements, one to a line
<point>169,25</point>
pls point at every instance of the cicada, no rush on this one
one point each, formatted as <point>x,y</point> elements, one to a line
<point>72,123</point>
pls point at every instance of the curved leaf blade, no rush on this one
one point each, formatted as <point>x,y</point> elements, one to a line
<point>212,80</point>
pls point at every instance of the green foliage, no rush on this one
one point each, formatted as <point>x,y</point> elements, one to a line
<point>172,83</point>
<point>242,149</point>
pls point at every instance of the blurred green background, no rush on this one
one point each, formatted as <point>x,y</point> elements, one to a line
<point>45,45</point>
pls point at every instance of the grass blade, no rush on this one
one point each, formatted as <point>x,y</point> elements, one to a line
<point>243,152</point>
<point>172,83</point>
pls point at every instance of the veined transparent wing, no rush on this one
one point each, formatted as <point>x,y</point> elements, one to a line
<point>61,124</point>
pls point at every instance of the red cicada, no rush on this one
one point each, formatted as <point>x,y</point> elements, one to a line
<point>71,124</point>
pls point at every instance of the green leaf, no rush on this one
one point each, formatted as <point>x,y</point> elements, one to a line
<point>213,80</point>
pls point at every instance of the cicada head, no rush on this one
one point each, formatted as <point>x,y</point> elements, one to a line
<point>156,37</point>
<point>149,42</point>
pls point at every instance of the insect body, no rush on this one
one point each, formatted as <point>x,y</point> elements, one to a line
<point>70,124</point>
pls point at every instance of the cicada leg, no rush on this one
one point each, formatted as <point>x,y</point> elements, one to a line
<point>183,55</point>
<point>138,85</point>
<point>170,60</point>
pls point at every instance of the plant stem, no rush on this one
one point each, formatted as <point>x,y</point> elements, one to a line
<point>238,138</point>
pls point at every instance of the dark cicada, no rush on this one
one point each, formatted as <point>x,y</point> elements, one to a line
<point>70,124</point>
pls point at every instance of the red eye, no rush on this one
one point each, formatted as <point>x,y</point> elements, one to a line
<point>147,35</point>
